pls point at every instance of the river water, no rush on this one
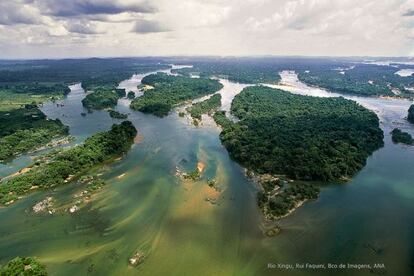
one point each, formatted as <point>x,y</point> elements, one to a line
<point>188,228</point>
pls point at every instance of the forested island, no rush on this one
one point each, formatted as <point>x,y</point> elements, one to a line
<point>101,99</point>
<point>117,115</point>
<point>169,91</point>
<point>23,267</point>
<point>410,116</point>
<point>25,129</point>
<point>206,106</point>
<point>298,137</point>
<point>399,136</point>
<point>66,165</point>
<point>303,137</point>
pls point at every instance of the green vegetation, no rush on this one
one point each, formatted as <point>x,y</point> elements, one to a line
<point>277,200</point>
<point>131,95</point>
<point>26,129</point>
<point>23,82</point>
<point>303,137</point>
<point>63,166</point>
<point>206,106</point>
<point>402,137</point>
<point>101,99</point>
<point>170,91</point>
<point>10,100</point>
<point>410,116</point>
<point>181,114</point>
<point>23,267</point>
<point>120,92</point>
<point>360,79</point>
<point>221,119</point>
<point>115,114</point>
<point>193,175</point>
<point>242,70</point>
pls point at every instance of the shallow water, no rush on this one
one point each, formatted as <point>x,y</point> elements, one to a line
<point>146,208</point>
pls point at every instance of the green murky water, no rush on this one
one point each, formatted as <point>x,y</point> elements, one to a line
<point>145,207</point>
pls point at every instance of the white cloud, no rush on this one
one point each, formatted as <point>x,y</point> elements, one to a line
<point>219,27</point>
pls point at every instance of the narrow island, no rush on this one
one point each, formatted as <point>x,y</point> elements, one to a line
<point>67,165</point>
<point>169,91</point>
<point>286,136</point>
<point>117,115</point>
<point>400,137</point>
<point>410,116</point>
<point>206,106</point>
<point>29,130</point>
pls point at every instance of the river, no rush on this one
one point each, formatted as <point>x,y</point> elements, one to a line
<point>146,208</point>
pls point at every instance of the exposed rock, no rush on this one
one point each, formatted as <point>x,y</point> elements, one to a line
<point>137,258</point>
<point>44,206</point>
<point>73,209</point>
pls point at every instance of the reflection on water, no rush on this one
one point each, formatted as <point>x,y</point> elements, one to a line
<point>146,208</point>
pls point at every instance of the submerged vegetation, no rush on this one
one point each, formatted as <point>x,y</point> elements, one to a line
<point>68,164</point>
<point>206,106</point>
<point>402,137</point>
<point>26,129</point>
<point>169,91</point>
<point>303,137</point>
<point>22,267</point>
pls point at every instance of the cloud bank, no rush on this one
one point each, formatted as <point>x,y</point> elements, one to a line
<point>81,28</point>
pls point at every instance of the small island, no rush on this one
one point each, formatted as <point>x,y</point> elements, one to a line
<point>410,116</point>
<point>170,91</point>
<point>131,95</point>
<point>117,115</point>
<point>206,106</point>
<point>66,165</point>
<point>101,99</point>
<point>399,136</point>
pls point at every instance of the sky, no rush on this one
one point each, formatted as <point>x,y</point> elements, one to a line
<point>86,28</point>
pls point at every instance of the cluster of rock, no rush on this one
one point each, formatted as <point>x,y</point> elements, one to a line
<point>137,258</point>
<point>45,205</point>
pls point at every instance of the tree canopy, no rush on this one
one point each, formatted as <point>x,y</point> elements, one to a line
<point>304,137</point>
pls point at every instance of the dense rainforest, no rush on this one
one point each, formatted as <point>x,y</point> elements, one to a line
<point>399,136</point>
<point>206,106</point>
<point>346,76</point>
<point>359,79</point>
<point>65,165</point>
<point>101,99</point>
<point>169,91</point>
<point>25,129</point>
<point>303,137</point>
